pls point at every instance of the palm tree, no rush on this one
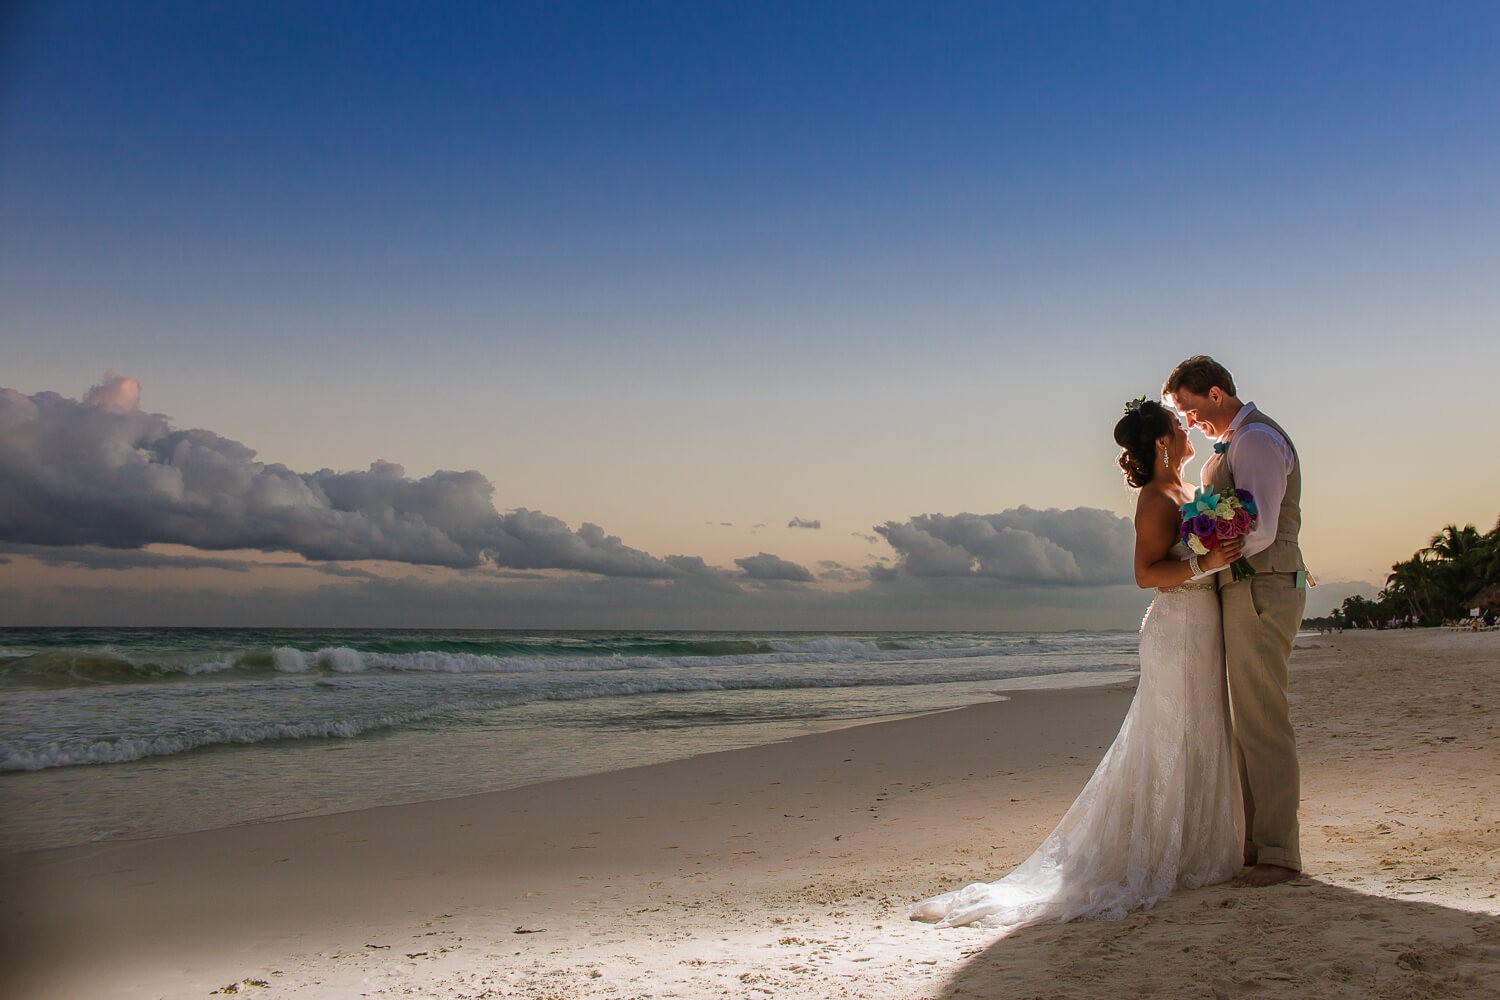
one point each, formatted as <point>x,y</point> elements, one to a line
<point>1361,612</point>
<point>1454,559</point>
<point>1438,582</point>
<point>1455,544</point>
<point>1408,588</point>
<point>1490,559</point>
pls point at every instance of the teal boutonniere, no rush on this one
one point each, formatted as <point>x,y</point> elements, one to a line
<point>1220,447</point>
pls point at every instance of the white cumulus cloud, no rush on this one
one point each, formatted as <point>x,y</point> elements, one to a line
<point>1083,545</point>
<point>103,472</point>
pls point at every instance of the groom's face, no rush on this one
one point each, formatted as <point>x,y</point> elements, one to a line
<point>1207,413</point>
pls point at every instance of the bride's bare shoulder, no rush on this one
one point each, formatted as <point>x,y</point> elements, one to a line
<point>1152,500</point>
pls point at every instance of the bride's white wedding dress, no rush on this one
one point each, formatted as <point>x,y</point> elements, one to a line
<point>1162,809</point>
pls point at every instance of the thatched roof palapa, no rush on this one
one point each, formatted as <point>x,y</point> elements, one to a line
<point>1488,598</point>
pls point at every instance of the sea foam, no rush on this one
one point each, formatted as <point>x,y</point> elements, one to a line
<point>124,696</point>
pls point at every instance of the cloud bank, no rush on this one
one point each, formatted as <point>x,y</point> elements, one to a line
<point>102,472</point>
<point>768,567</point>
<point>92,484</point>
<point>1084,545</point>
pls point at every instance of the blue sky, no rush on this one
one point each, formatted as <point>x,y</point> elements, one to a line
<point>691,271</point>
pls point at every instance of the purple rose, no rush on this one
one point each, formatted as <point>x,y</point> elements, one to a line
<point>1203,526</point>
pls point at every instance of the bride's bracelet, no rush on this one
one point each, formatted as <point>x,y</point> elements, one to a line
<point>1194,570</point>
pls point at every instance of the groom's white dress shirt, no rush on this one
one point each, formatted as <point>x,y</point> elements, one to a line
<point>1261,460</point>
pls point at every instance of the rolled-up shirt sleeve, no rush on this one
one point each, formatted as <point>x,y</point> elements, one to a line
<point>1261,461</point>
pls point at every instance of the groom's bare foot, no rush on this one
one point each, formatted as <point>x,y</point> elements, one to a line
<point>1261,876</point>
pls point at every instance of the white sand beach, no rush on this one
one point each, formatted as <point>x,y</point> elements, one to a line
<point>783,870</point>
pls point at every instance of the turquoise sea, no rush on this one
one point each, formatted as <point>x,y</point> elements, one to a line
<point>110,733</point>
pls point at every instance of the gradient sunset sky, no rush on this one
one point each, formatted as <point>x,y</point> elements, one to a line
<point>737,283</point>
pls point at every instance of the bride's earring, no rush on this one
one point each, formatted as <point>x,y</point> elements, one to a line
<point>1165,463</point>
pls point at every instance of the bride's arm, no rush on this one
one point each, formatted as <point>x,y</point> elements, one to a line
<point>1156,524</point>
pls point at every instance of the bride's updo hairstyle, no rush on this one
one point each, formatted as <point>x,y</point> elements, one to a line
<point>1144,423</point>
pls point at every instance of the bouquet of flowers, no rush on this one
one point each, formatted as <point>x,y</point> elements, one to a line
<point>1210,518</point>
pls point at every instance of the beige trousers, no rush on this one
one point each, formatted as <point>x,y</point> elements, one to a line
<point>1261,618</point>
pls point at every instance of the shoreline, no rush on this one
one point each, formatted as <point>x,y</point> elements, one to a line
<point>333,776</point>
<point>783,867</point>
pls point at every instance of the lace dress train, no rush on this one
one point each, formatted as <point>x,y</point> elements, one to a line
<point>1162,809</point>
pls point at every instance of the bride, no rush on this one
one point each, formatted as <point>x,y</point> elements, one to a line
<point>1162,809</point>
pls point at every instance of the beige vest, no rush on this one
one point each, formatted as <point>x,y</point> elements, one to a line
<point>1283,555</point>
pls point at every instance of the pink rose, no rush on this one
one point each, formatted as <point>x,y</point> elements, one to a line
<point>1244,523</point>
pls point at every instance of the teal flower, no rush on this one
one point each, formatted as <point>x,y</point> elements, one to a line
<point>1203,502</point>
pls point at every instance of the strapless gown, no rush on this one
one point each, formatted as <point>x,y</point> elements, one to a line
<point>1162,809</point>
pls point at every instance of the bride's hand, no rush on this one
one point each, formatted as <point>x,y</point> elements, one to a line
<point>1228,551</point>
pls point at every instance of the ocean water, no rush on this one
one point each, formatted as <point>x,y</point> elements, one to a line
<point>119,733</point>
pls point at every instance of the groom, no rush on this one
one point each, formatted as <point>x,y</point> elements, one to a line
<point>1261,613</point>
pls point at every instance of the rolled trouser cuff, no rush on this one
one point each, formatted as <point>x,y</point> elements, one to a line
<point>1278,857</point>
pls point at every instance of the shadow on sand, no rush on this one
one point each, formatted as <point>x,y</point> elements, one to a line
<point>1304,939</point>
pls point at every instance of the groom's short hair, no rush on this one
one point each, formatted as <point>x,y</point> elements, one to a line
<point>1197,375</point>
